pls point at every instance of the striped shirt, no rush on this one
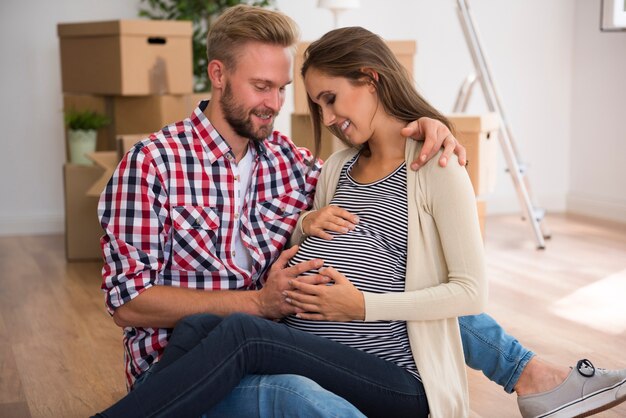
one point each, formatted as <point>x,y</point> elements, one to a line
<point>372,257</point>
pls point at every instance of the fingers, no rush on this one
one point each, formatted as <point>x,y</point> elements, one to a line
<point>313,279</point>
<point>304,266</point>
<point>285,256</point>
<point>333,274</point>
<point>459,150</point>
<point>449,146</point>
<point>433,138</point>
<point>330,219</point>
<point>348,217</point>
<point>412,130</point>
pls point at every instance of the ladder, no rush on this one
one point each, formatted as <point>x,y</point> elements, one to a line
<point>516,167</point>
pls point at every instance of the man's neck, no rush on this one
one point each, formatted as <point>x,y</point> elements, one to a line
<point>238,144</point>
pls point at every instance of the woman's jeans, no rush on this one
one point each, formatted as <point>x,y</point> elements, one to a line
<point>212,355</point>
<point>488,348</point>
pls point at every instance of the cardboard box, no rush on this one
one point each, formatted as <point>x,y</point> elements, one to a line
<point>133,114</point>
<point>302,136</point>
<point>82,227</point>
<point>138,115</point>
<point>126,57</point>
<point>479,136</point>
<point>403,50</point>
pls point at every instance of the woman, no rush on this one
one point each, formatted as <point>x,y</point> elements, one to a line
<point>401,275</point>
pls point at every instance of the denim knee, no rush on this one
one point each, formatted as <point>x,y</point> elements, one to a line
<point>244,325</point>
<point>198,324</point>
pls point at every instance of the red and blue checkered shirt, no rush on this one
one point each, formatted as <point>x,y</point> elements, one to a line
<point>169,219</point>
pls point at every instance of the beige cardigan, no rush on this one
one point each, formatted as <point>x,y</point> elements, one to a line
<point>445,273</point>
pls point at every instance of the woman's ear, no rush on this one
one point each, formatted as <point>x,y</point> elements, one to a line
<point>372,73</point>
<point>372,76</point>
<point>216,71</point>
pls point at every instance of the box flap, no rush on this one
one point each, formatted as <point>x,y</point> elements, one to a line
<point>108,161</point>
<point>140,27</point>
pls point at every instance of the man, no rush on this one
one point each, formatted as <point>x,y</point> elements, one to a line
<point>195,215</point>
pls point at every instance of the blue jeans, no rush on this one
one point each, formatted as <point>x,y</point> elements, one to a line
<point>487,347</point>
<point>212,355</point>
<point>275,396</point>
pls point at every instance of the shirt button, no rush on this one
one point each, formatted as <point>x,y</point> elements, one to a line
<point>236,178</point>
<point>197,222</point>
<point>236,216</point>
<point>233,253</point>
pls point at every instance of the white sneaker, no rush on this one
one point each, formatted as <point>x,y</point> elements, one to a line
<point>586,391</point>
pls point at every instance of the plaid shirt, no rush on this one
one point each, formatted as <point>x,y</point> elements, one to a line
<point>169,219</point>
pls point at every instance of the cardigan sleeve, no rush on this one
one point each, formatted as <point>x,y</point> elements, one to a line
<point>446,197</point>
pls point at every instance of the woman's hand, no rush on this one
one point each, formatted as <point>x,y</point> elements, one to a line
<point>341,301</point>
<point>329,218</point>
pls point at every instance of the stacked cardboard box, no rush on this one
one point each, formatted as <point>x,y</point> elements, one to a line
<point>139,74</point>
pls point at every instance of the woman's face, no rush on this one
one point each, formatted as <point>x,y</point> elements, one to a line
<point>348,106</point>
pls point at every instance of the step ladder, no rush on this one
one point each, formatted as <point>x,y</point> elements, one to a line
<point>516,167</point>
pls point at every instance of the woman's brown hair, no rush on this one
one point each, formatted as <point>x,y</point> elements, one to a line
<point>346,52</point>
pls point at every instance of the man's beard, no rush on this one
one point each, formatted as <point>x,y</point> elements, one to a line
<point>241,120</point>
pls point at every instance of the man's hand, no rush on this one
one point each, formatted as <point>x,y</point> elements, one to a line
<point>435,135</point>
<point>329,218</point>
<point>272,302</point>
<point>340,302</point>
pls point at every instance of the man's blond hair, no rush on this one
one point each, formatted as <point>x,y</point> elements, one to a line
<point>241,24</point>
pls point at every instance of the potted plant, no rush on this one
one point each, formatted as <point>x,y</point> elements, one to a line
<point>82,127</point>
<point>201,13</point>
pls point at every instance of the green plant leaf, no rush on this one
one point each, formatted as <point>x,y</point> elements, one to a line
<point>85,120</point>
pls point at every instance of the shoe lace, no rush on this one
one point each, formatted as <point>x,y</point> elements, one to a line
<point>585,368</point>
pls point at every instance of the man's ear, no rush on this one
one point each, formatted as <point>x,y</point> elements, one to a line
<point>216,72</point>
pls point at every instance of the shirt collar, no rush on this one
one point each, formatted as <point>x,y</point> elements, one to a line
<point>215,146</point>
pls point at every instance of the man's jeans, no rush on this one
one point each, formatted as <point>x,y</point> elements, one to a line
<point>486,345</point>
<point>281,395</point>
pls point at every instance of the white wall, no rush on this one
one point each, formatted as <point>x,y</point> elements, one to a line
<point>529,47</point>
<point>32,150</point>
<point>598,142</point>
<point>529,43</point>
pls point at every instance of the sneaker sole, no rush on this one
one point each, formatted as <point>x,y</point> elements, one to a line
<point>592,404</point>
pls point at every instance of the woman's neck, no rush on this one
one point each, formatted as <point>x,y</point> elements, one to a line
<point>384,152</point>
<point>387,143</point>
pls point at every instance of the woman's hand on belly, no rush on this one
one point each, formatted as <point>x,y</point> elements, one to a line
<point>341,301</point>
<point>329,218</point>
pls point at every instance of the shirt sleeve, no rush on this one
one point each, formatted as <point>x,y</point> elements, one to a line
<point>312,176</point>
<point>133,212</point>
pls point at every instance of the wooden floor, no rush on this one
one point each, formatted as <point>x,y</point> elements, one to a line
<point>61,354</point>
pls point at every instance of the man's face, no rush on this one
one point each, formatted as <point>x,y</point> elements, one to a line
<point>255,91</point>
